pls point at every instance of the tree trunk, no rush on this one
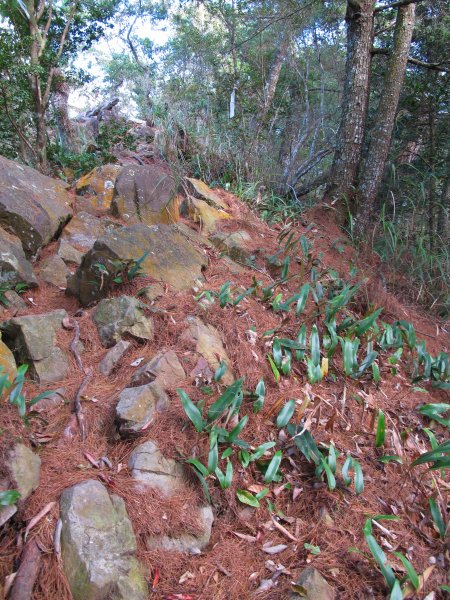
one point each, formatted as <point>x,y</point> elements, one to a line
<point>372,167</point>
<point>359,18</point>
<point>60,96</point>
<point>259,119</point>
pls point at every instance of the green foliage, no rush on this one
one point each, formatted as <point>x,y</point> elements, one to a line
<point>13,392</point>
<point>19,288</point>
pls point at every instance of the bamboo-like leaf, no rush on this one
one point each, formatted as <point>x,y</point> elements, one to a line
<point>345,470</point>
<point>275,371</point>
<point>314,342</point>
<point>437,517</point>
<point>381,559</point>
<point>260,393</point>
<point>396,592</point>
<point>272,469</point>
<point>9,497</point>
<point>362,326</point>
<point>412,575</point>
<point>277,352</point>
<point>237,430</point>
<point>199,466</point>
<point>381,429</point>
<point>331,480</point>
<point>225,400</point>
<point>285,269</point>
<point>301,340</point>
<point>285,414</point>
<point>260,450</point>
<point>202,480</point>
<point>191,411</point>
<point>213,454</point>
<point>303,297</point>
<point>247,498</point>
<point>359,477</point>
<point>220,371</point>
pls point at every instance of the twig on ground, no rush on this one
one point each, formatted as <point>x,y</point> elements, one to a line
<point>74,344</point>
<point>28,571</point>
<point>77,402</point>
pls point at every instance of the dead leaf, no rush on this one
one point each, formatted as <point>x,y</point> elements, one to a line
<point>274,549</point>
<point>244,536</point>
<point>187,575</point>
<point>423,578</point>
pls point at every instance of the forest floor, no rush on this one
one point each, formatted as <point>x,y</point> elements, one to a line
<point>341,409</point>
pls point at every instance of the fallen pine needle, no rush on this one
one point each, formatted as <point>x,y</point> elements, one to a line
<point>35,520</point>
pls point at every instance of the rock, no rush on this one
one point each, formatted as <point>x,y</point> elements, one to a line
<point>80,234</point>
<point>312,586</point>
<point>145,194</point>
<point>205,215</point>
<point>164,369</point>
<point>32,206</point>
<point>53,270</point>
<point>137,407</point>
<point>99,182</point>
<point>15,302</point>
<point>169,257</point>
<point>186,542</point>
<point>201,190</point>
<point>149,466</point>
<point>115,317</point>
<point>32,340</point>
<point>98,544</point>
<point>233,244</point>
<point>7,362</point>
<point>14,267</point>
<point>325,518</point>
<point>113,357</point>
<point>151,292</point>
<point>24,468</point>
<point>208,343</point>
<point>54,400</point>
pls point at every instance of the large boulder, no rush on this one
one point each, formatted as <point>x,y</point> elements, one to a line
<point>164,368</point>
<point>167,256</point>
<point>207,342</point>
<point>114,317</point>
<point>98,545</point>
<point>32,340</point>
<point>14,267</point>
<point>205,215</point>
<point>80,234</point>
<point>145,194</point>
<point>138,406</point>
<point>32,206</point>
<point>100,183</point>
<point>233,245</point>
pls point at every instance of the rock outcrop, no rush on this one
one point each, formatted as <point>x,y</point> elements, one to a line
<point>32,206</point>
<point>138,406</point>
<point>100,183</point>
<point>80,234</point>
<point>145,194</point>
<point>14,267</point>
<point>165,369</point>
<point>115,317</point>
<point>32,340</point>
<point>167,257</point>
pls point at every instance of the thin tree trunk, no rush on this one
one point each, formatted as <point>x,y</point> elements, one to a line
<point>372,167</point>
<point>432,198</point>
<point>350,136</point>
<point>259,119</point>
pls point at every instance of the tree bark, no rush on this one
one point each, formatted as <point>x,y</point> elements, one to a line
<point>259,119</point>
<point>359,18</point>
<point>372,167</point>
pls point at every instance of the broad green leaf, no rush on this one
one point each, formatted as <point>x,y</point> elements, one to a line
<point>313,549</point>
<point>277,352</point>
<point>202,480</point>
<point>225,400</point>
<point>228,474</point>
<point>362,326</point>
<point>285,269</point>
<point>412,575</point>
<point>213,454</point>
<point>331,460</point>
<point>359,477</point>
<point>314,343</point>
<point>303,297</point>
<point>199,466</point>
<point>260,450</point>
<point>301,340</point>
<point>9,497</point>
<point>387,458</point>
<point>237,430</point>
<point>381,559</point>
<point>272,469</point>
<point>220,371</point>
<point>437,517</point>
<point>396,592</point>
<point>275,371</point>
<point>381,429</point>
<point>345,470</point>
<point>367,362</point>
<point>260,393</point>
<point>331,480</point>
<point>191,411</point>
<point>285,414</point>
<point>247,498</point>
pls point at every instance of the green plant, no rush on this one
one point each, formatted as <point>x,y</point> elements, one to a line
<point>19,288</point>
<point>13,392</point>
<point>9,497</point>
<point>120,271</point>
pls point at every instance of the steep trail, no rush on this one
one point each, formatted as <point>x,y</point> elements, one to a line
<point>300,508</point>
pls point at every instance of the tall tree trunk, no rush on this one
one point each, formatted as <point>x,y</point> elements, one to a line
<point>432,198</point>
<point>259,119</point>
<point>372,167</point>
<point>60,97</point>
<point>359,18</point>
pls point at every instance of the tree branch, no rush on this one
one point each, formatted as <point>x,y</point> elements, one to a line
<point>381,7</point>
<point>415,61</point>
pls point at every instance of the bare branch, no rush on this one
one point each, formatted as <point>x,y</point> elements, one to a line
<point>381,7</point>
<point>415,61</point>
